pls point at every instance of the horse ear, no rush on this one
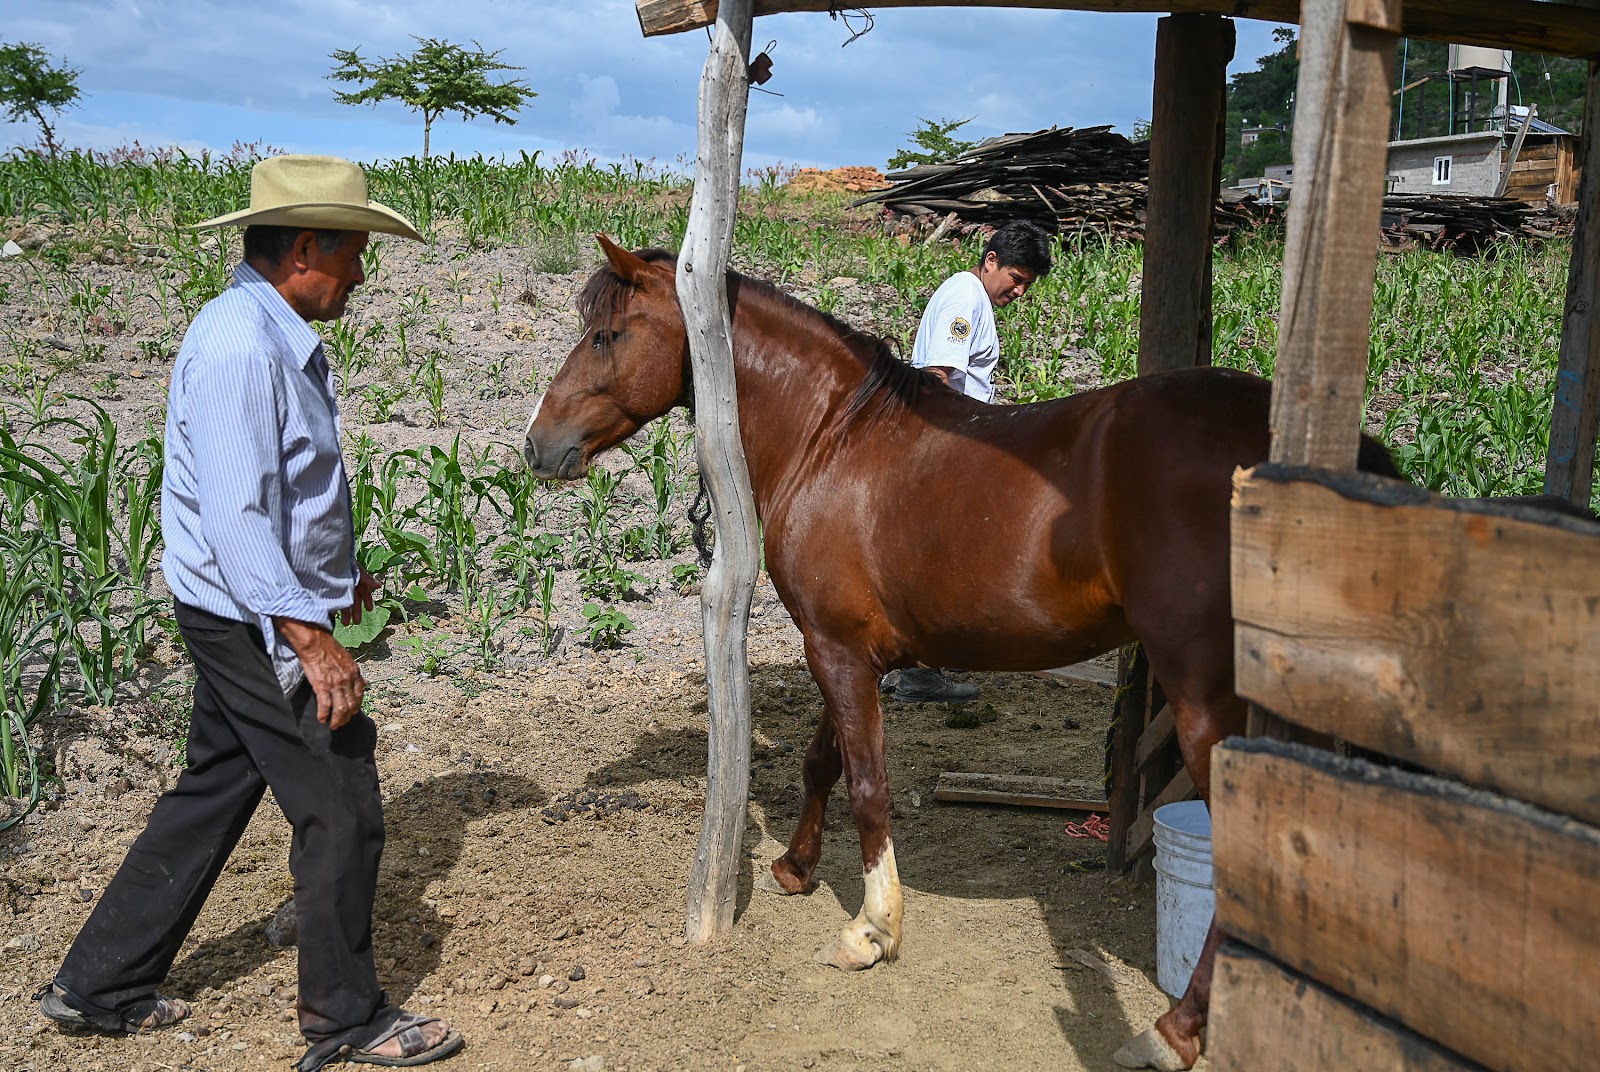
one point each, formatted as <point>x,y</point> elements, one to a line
<point>631,268</point>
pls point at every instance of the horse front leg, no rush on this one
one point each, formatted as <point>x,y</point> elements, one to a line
<point>792,871</point>
<point>850,690</point>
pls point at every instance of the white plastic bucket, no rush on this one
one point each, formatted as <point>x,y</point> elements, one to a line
<point>1185,898</point>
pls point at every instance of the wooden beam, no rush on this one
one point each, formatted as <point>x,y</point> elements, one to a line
<point>1575,411</point>
<point>1264,1016</point>
<point>1021,790</point>
<point>1163,729</point>
<point>730,583</point>
<point>1330,259</point>
<point>1180,788</point>
<point>1553,29</point>
<point>1469,918</point>
<point>1191,70</point>
<point>1516,150</point>
<point>1458,635</point>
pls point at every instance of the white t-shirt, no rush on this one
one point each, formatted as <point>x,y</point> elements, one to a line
<point>957,332</point>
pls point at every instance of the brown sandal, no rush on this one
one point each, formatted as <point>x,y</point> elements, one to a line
<point>414,1046</point>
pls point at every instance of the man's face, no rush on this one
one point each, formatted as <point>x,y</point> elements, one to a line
<point>1003,283</point>
<point>322,288</point>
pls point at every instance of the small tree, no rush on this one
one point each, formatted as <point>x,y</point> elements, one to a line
<point>31,85</point>
<point>935,140</point>
<point>438,77</point>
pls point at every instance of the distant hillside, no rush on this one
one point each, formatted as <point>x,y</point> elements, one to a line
<point>1263,100</point>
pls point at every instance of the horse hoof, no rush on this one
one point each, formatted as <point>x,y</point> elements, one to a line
<point>847,955</point>
<point>1150,1050</point>
<point>767,882</point>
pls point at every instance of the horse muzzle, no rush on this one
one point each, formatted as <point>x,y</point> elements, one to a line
<point>562,460</point>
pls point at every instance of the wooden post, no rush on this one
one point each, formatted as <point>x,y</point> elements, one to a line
<point>1330,257</point>
<point>1569,468</point>
<point>729,586</point>
<point>1192,54</point>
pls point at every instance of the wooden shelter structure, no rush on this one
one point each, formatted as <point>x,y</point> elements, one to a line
<point>1392,920</point>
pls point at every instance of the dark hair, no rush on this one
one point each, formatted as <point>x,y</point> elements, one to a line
<point>267,243</point>
<point>1021,244</point>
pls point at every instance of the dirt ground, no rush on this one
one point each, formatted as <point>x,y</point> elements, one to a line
<point>542,816</point>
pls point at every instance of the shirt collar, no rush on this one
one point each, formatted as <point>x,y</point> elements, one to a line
<point>297,334</point>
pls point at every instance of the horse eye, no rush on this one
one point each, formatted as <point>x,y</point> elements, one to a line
<point>604,338</point>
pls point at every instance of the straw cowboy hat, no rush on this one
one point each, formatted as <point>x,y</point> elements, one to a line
<point>317,192</point>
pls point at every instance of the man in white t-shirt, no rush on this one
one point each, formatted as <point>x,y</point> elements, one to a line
<point>957,342</point>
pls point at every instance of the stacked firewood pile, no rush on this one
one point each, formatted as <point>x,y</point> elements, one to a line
<point>1463,223</point>
<point>1069,180</point>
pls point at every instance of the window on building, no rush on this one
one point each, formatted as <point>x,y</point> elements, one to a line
<point>1441,171</point>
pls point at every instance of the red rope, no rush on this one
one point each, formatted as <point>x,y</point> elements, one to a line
<point>1095,826</point>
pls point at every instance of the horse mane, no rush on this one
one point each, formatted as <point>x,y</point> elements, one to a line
<point>889,384</point>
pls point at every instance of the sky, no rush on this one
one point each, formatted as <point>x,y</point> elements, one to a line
<point>204,74</point>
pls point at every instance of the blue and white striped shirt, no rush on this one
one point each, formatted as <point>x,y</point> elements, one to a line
<point>255,505</point>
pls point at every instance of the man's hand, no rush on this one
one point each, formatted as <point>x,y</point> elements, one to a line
<point>331,670</point>
<point>361,600</point>
<point>941,372</point>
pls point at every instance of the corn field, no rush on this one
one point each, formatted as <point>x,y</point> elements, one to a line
<point>482,564</point>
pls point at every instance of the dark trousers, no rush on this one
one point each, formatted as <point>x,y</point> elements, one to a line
<point>245,736</point>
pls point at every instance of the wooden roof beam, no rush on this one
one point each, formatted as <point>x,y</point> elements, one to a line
<point>1554,29</point>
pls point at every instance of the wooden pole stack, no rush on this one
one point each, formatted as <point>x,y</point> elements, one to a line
<point>730,584</point>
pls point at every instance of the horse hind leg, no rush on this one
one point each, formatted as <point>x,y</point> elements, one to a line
<point>850,690</point>
<point>792,872</point>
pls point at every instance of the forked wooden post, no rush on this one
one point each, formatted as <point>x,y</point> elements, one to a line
<point>1569,468</point>
<point>1331,257</point>
<point>725,597</point>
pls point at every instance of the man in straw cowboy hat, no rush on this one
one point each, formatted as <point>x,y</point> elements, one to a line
<point>260,557</point>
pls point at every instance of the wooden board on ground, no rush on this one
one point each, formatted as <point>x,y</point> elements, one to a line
<point>1092,672</point>
<point>1461,635</point>
<point>1264,1016</point>
<point>1023,790</point>
<point>1465,916</point>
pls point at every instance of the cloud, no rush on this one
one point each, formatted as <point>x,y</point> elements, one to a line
<point>213,71</point>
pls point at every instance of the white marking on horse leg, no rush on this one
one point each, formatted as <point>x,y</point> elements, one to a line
<point>874,934</point>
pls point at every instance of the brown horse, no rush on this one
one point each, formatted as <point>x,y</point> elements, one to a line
<point>905,524</point>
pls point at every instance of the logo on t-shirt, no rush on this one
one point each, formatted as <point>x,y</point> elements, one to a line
<point>960,329</point>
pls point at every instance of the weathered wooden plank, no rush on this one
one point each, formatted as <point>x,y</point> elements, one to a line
<point>1018,789</point>
<point>1553,29</point>
<point>730,583</point>
<point>1191,70</point>
<point>1266,1017</point>
<point>1458,635</point>
<point>1330,260</point>
<point>1575,412</point>
<point>1139,836</point>
<point>1092,672</point>
<point>1156,736</point>
<point>1467,917</point>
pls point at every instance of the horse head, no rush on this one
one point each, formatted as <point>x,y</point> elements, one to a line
<point>627,368</point>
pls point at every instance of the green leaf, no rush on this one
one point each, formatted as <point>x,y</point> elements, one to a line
<point>365,631</point>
